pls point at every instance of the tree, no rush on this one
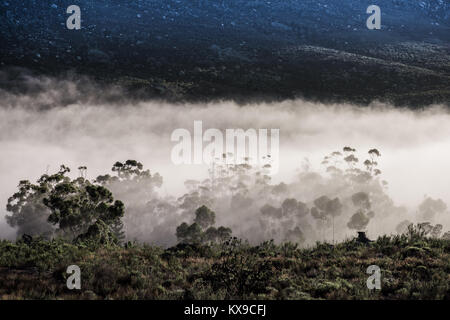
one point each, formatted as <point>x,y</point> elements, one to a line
<point>361,200</point>
<point>76,205</point>
<point>204,217</point>
<point>270,211</point>
<point>326,208</point>
<point>446,236</point>
<point>430,207</point>
<point>131,179</point>
<point>402,227</point>
<point>213,234</point>
<point>29,214</point>
<point>98,234</point>
<point>295,235</point>
<point>71,206</point>
<point>284,223</point>
<point>189,233</point>
<point>363,214</point>
<point>147,214</point>
<point>358,221</point>
<point>289,207</point>
<point>223,234</point>
<point>202,231</point>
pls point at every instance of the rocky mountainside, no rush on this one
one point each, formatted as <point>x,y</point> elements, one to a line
<point>238,49</point>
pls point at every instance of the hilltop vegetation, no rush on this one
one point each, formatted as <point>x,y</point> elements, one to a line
<point>239,50</point>
<point>412,267</point>
<point>234,235</point>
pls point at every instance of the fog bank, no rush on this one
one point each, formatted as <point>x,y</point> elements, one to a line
<point>39,130</point>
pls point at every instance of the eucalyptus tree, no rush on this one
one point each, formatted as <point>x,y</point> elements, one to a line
<point>57,205</point>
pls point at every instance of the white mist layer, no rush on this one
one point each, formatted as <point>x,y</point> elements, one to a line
<point>414,144</point>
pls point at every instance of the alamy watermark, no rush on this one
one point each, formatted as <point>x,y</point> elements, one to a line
<point>256,147</point>
<point>74,20</point>
<point>374,20</point>
<point>374,281</point>
<point>74,280</point>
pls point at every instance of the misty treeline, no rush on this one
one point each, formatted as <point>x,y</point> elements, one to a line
<point>236,199</point>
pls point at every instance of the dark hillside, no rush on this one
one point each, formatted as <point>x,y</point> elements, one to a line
<point>242,50</point>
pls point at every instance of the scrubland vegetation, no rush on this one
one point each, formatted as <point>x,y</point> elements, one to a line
<point>412,267</point>
<point>234,235</point>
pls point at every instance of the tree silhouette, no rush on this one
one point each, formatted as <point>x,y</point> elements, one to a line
<point>430,208</point>
<point>71,206</point>
<point>202,231</point>
<point>146,213</point>
<point>358,221</point>
<point>204,217</point>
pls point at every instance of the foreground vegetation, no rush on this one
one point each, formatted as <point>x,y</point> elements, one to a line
<point>63,221</point>
<point>412,267</point>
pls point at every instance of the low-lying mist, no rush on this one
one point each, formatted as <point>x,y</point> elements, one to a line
<point>68,122</point>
